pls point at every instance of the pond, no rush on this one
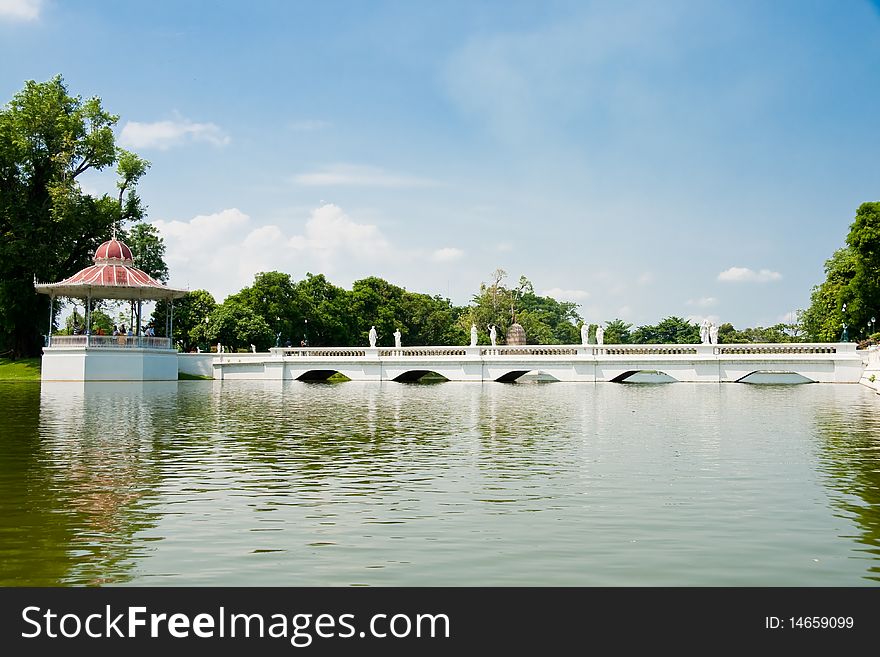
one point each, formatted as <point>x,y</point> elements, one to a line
<point>293,483</point>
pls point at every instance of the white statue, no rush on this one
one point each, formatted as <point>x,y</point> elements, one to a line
<point>373,336</point>
<point>713,334</point>
<point>253,349</point>
<point>219,348</point>
<point>704,331</point>
<point>397,337</point>
<point>473,335</point>
<point>493,334</point>
<point>600,334</point>
<point>585,333</point>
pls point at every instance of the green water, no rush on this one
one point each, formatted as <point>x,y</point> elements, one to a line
<point>270,483</point>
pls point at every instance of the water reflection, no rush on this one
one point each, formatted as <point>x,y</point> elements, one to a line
<point>270,482</point>
<point>850,455</point>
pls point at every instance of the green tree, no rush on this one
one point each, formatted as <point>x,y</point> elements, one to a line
<point>237,326</point>
<point>375,302</point>
<point>547,320</point>
<point>273,296</point>
<point>823,320</point>
<point>727,334</point>
<point>618,332</point>
<point>49,227</point>
<point>672,330</point>
<point>544,319</point>
<point>325,315</point>
<point>190,314</point>
<point>98,321</point>
<point>428,320</point>
<point>148,249</point>
<point>862,294</point>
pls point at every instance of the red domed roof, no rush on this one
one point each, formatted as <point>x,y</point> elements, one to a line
<point>114,250</point>
<point>113,276</point>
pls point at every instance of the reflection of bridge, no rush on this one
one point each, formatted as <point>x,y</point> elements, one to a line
<point>826,363</point>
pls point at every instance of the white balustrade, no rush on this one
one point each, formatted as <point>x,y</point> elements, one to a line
<point>109,342</point>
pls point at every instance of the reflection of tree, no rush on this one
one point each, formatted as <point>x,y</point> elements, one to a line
<point>850,453</point>
<point>95,462</point>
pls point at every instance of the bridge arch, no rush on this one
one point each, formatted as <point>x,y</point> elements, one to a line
<point>515,375</point>
<point>774,377</point>
<point>644,376</point>
<point>425,376</point>
<point>318,375</point>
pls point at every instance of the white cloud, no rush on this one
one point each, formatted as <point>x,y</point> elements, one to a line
<point>330,232</point>
<point>308,125</point>
<point>566,295</point>
<point>504,247</point>
<point>165,134</point>
<point>702,302</point>
<point>447,254</point>
<point>222,252</point>
<point>646,278</point>
<point>23,10</point>
<point>746,275</point>
<point>698,319</point>
<point>350,174</point>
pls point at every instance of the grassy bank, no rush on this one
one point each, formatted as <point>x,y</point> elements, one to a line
<point>25,369</point>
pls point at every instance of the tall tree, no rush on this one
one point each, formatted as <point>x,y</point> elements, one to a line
<point>618,332</point>
<point>49,227</point>
<point>544,319</point>
<point>148,249</point>
<point>672,330</point>
<point>823,320</point>
<point>191,313</point>
<point>325,314</point>
<point>862,294</point>
<point>237,326</point>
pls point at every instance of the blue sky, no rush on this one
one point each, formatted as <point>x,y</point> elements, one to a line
<point>640,158</point>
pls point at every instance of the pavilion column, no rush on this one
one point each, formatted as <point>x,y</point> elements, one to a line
<point>171,324</point>
<point>138,332</point>
<point>51,319</point>
<point>88,319</point>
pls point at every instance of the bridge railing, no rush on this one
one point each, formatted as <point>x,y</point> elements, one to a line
<point>422,351</point>
<point>530,350</point>
<point>650,350</point>
<point>109,342</point>
<point>320,352</point>
<point>779,348</point>
<point>629,350</point>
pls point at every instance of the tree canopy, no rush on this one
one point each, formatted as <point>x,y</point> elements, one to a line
<point>544,319</point>
<point>850,293</point>
<point>49,226</point>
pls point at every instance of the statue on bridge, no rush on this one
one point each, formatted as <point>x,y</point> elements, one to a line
<point>600,334</point>
<point>493,334</point>
<point>704,332</point>
<point>373,336</point>
<point>585,333</point>
<point>397,337</point>
<point>473,335</point>
<point>713,334</point>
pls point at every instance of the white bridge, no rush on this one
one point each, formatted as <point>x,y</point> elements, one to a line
<point>820,362</point>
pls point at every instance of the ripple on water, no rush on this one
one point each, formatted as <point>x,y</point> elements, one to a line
<point>381,484</point>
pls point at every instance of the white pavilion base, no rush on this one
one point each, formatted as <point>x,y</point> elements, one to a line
<point>107,364</point>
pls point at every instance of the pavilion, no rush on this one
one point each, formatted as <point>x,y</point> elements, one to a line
<point>89,357</point>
